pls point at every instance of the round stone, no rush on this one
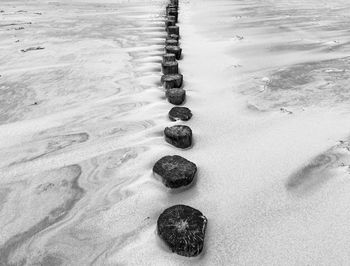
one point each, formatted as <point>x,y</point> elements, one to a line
<point>180,113</point>
<point>180,136</point>
<point>182,228</point>
<point>175,171</point>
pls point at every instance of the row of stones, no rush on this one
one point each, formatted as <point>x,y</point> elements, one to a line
<point>181,227</point>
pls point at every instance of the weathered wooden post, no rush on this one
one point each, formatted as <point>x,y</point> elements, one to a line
<point>171,11</point>
<point>170,68</point>
<point>172,37</point>
<point>173,30</point>
<point>176,50</point>
<point>172,81</point>
<point>169,23</point>
<point>175,171</point>
<point>168,58</point>
<point>171,42</point>
<point>176,96</point>
<point>183,228</point>
<point>174,2</point>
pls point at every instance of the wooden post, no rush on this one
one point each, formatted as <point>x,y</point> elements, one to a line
<point>168,58</point>
<point>176,50</point>
<point>174,2</point>
<point>170,68</point>
<point>173,12</point>
<point>172,81</point>
<point>176,96</point>
<point>172,37</point>
<point>172,7</point>
<point>171,42</point>
<point>172,18</point>
<point>174,30</point>
<point>169,23</point>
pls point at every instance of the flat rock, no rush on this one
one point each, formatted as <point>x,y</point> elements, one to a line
<point>180,113</point>
<point>182,228</point>
<point>176,96</point>
<point>180,136</point>
<point>175,171</point>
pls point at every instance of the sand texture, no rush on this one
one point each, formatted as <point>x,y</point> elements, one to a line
<point>82,114</point>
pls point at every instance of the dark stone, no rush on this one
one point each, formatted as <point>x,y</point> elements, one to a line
<point>180,136</point>
<point>170,68</point>
<point>168,58</point>
<point>175,171</point>
<point>171,42</point>
<point>180,113</point>
<point>182,228</point>
<point>176,50</point>
<point>176,96</point>
<point>172,81</point>
<point>174,30</point>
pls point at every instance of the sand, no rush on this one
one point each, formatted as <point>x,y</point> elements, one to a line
<point>267,84</point>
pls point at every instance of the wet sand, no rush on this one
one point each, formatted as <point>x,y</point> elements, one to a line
<point>81,126</point>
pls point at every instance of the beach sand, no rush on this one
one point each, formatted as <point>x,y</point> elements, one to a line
<point>82,121</point>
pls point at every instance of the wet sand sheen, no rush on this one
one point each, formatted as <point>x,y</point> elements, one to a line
<point>267,83</point>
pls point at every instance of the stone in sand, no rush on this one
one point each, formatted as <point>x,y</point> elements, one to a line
<point>182,228</point>
<point>172,81</point>
<point>180,113</point>
<point>176,50</point>
<point>170,68</point>
<point>175,171</point>
<point>175,96</point>
<point>180,136</point>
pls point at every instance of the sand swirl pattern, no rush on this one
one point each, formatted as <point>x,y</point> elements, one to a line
<point>83,111</point>
<point>77,146</point>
